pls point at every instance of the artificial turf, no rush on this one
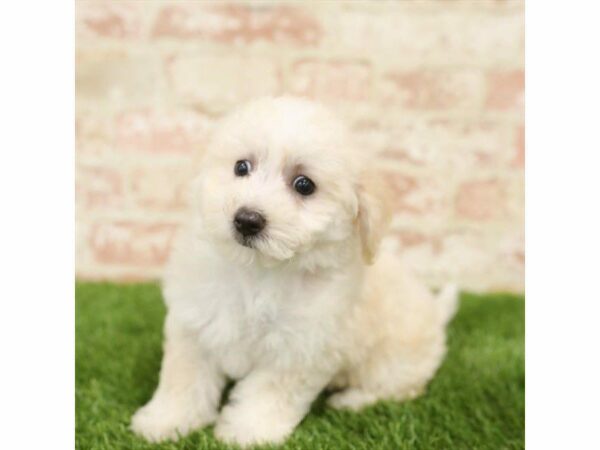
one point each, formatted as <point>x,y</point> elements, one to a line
<point>476,401</point>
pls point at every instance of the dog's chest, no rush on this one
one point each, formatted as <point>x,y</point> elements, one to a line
<point>255,319</point>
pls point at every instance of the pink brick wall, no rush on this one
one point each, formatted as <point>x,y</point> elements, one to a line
<point>434,89</point>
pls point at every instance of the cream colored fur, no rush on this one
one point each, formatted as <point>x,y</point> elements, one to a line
<point>311,305</point>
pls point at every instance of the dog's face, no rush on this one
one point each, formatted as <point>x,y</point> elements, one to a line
<point>280,181</point>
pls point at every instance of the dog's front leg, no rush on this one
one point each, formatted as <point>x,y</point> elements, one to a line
<point>266,406</point>
<point>188,392</point>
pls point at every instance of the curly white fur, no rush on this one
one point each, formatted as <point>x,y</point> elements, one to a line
<point>303,308</point>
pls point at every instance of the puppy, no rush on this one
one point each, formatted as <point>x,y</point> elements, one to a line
<point>274,283</point>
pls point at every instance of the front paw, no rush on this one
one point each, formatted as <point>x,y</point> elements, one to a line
<point>160,421</point>
<point>251,429</point>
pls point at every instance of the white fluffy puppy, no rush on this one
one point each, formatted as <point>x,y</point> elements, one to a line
<point>274,284</point>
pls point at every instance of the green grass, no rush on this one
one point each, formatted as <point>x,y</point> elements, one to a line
<point>475,402</point>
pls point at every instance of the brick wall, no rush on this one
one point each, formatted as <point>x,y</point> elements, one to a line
<point>432,88</point>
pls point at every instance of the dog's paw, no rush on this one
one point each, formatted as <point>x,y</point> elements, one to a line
<point>148,423</point>
<point>158,422</point>
<point>252,430</point>
<point>352,399</point>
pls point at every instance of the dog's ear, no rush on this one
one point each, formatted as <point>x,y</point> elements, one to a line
<point>374,213</point>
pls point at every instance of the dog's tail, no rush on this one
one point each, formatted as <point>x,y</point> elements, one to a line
<point>447,300</point>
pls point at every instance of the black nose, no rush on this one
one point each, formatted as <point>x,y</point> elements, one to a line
<point>248,222</point>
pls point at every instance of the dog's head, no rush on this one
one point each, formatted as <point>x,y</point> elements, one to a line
<point>280,182</point>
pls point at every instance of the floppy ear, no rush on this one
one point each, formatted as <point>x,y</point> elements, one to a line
<point>374,213</point>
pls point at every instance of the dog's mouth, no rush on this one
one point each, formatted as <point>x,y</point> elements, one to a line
<point>263,245</point>
<point>247,241</point>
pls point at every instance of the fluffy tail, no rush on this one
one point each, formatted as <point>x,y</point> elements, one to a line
<point>447,299</point>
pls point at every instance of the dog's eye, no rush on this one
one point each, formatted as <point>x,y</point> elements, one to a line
<point>304,185</point>
<point>242,168</point>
